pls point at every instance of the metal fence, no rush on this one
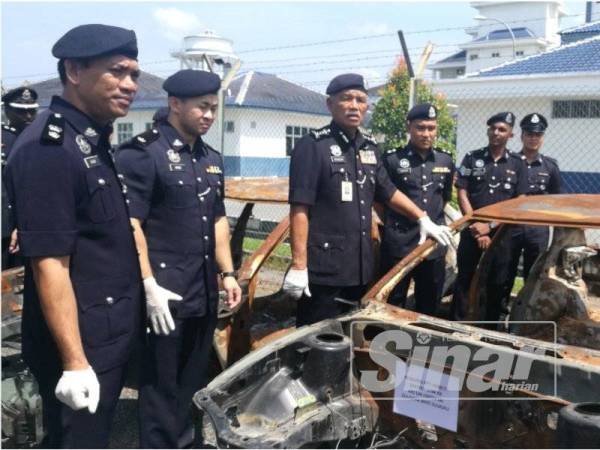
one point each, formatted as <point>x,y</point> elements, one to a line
<point>258,143</point>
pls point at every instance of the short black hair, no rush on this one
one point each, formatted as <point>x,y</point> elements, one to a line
<point>62,71</point>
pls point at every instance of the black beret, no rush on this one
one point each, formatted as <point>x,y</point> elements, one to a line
<point>346,81</point>
<point>535,122</point>
<point>507,117</point>
<point>161,114</point>
<point>425,111</point>
<point>87,41</point>
<point>21,98</point>
<point>192,83</point>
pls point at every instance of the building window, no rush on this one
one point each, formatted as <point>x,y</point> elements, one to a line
<point>473,57</point>
<point>520,53</point>
<point>292,135</point>
<point>460,71</point>
<point>253,125</point>
<point>148,125</point>
<point>230,126</point>
<point>496,55</point>
<point>124,132</point>
<point>576,109</point>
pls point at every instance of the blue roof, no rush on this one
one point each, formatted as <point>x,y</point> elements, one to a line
<point>581,56</point>
<point>457,57</point>
<point>263,90</point>
<point>496,35</point>
<point>592,27</point>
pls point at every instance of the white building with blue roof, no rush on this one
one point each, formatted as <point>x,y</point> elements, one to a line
<point>507,30</point>
<point>563,84</point>
<point>264,117</point>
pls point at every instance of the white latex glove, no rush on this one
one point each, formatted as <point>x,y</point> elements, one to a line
<point>440,233</point>
<point>296,282</point>
<point>157,306</point>
<point>79,389</point>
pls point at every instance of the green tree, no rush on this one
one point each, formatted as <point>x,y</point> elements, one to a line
<point>389,115</point>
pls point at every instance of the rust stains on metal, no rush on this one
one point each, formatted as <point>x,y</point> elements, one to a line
<point>381,290</point>
<point>260,189</point>
<point>573,210</point>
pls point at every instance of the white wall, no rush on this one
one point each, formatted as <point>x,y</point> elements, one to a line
<point>504,47</point>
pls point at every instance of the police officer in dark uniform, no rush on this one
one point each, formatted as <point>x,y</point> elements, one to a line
<point>82,295</point>
<point>20,107</point>
<point>175,190</point>
<point>335,175</point>
<point>542,176</point>
<point>424,175</point>
<point>486,176</point>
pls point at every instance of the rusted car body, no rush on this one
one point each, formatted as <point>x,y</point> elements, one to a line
<point>301,387</point>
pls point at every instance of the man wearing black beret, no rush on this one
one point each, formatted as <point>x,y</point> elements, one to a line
<point>486,176</point>
<point>542,178</point>
<point>175,191</point>
<point>425,175</point>
<point>20,107</point>
<point>336,174</point>
<point>82,294</point>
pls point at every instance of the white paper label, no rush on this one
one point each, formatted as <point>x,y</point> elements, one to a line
<point>417,397</point>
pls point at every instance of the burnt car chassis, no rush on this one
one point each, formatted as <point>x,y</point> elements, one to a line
<point>301,388</point>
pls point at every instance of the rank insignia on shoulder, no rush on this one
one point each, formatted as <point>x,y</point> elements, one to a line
<point>323,132</point>
<point>440,170</point>
<point>147,137</point>
<point>90,132</point>
<point>214,170</point>
<point>54,130</point>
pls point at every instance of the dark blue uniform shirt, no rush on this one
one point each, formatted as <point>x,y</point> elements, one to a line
<point>9,136</point>
<point>488,181</point>
<point>340,249</point>
<point>428,183</point>
<point>68,202</point>
<point>542,175</point>
<point>177,191</point>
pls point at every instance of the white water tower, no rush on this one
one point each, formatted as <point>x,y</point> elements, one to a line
<point>207,51</point>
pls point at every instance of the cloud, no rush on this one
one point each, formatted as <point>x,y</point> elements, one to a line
<point>372,29</point>
<point>174,24</point>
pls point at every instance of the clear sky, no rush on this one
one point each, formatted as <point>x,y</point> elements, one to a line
<point>367,31</point>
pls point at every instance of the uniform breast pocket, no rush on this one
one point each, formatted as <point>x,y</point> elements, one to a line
<point>180,192</point>
<point>540,181</point>
<point>216,185</point>
<point>169,270</point>
<point>107,310</point>
<point>101,206</point>
<point>439,181</point>
<point>325,253</point>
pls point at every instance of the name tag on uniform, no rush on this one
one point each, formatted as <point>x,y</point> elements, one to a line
<point>91,161</point>
<point>176,167</point>
<point>403,170</point>
<point>440,170</point>
<point>214,170</point>
<point>477,172</point>
<point>346,191</point>
<point>338,159</point>
<point>367,157</point>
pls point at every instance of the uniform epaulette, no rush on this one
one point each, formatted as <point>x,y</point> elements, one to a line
<point>54,131</point>
<point>369,138</point>
<point>321,133</point>
<point>390,150</point>
<point>443,151</point>
<point>144,139</point>
<point>208,147</point>
<point>552,160</point>
<point>9,128</point>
